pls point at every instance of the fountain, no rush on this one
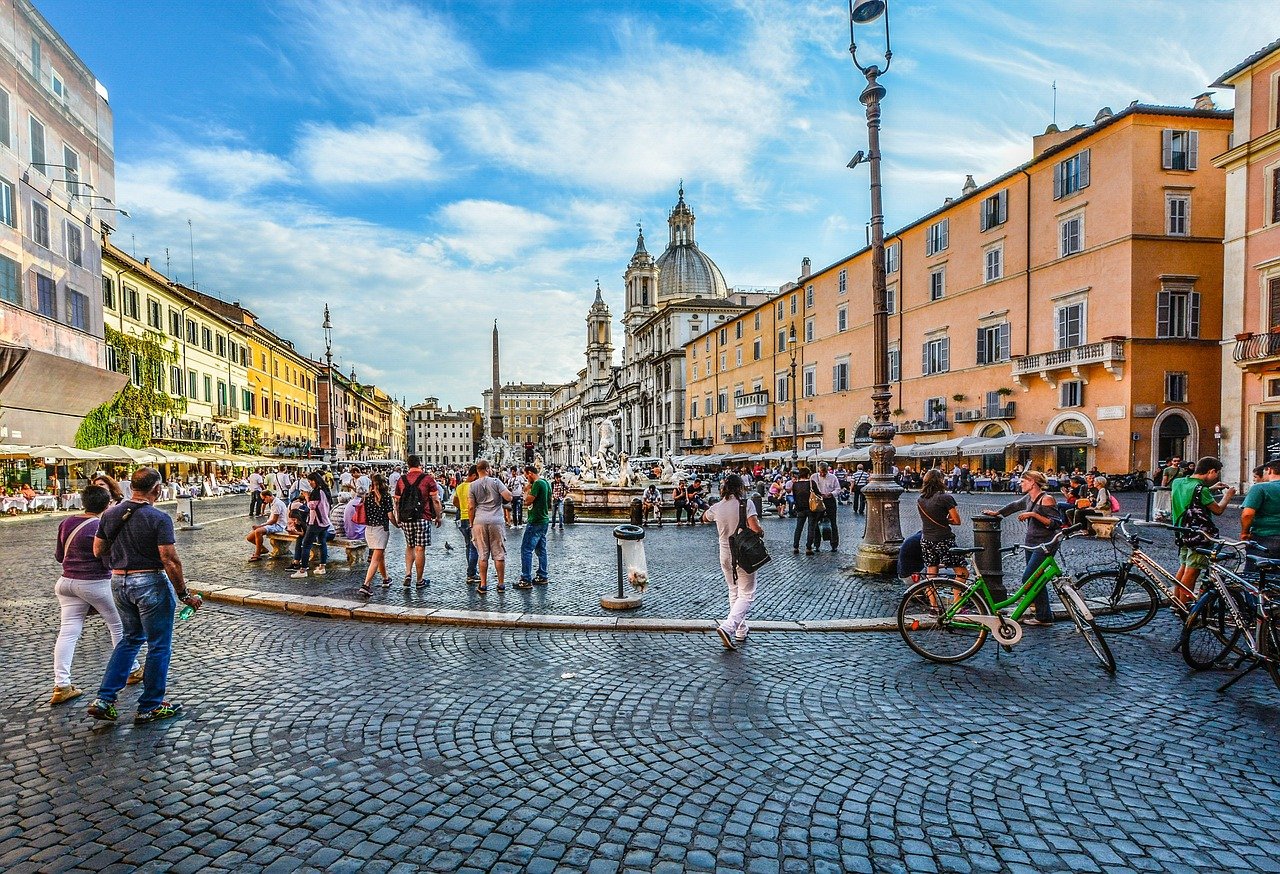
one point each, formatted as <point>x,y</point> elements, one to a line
<point>607,485</point>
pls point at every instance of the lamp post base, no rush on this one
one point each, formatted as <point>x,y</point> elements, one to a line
<point>880,561</point>
<point>626,602</point>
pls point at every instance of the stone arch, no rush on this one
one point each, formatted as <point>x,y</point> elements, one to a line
<point>1174,426</point>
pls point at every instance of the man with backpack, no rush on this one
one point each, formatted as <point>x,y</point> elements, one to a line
<point>416,508</point>
<point>1193,508</point>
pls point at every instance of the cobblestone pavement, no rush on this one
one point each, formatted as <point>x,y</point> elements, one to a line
<point>685,579</point>
<point>322,745</point>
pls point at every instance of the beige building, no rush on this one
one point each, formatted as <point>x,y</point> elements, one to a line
<point>1076,296</point>
<point>441,436</point>
<point>524,412</point>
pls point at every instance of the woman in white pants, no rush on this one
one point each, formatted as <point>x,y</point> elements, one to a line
<point>85,583</point>
<point>742,585</point>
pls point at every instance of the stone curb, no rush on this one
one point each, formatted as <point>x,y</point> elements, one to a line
<point>341,608</point>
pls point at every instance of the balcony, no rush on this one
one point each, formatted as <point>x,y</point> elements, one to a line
<point>754,435</point>
<point>1257,349</point>
<point>805,428</point>
<point>1049,365</point>
<point>225,413</point>
<point>751,406</point>
<point>985,414</point>
<point>919,426</point>
<point>694,443</point>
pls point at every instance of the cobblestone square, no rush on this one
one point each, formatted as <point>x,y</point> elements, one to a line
<point>313,744</point>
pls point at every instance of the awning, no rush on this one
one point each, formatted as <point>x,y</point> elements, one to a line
<point>943,448</point>
<point>115,452</point>
<point>45,396</point>
<point>1024,440</point>
<point>66,453</point>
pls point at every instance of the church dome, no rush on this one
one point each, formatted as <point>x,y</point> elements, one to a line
<point>684,270</point>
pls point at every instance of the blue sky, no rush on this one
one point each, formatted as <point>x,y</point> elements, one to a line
<point>426,167</point>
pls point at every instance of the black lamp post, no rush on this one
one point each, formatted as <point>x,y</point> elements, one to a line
<point>795,425</point>
<point>883,533</point>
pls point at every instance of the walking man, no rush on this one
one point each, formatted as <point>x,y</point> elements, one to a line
<point>488,500</point>
<point>827,485</point>
<point>858,480</point>
<point>462,501</point>
<point>136,541</point>
<point>417,507</point>
<point>537,499</point>
<point>559,491</point>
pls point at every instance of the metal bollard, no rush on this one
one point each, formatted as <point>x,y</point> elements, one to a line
<point>567,511</point>
<point>986,534</point>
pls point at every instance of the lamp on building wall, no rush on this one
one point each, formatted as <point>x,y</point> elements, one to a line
<point>883,533</point>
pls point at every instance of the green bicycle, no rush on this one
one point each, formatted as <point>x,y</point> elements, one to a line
<point>948,620</point>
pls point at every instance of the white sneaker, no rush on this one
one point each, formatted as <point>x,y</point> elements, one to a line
<point>299,574</point>
<point>320,571</point>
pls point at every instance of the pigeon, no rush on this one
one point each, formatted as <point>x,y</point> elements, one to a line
<point>447,547</point>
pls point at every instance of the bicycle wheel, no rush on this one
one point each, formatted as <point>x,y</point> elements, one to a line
<point>1208,635</point>
<point>922,624</point>
<point>1269,644</point>
<point>1087,627</point>
<point>1120,600</point>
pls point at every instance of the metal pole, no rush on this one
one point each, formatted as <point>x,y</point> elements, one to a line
<point>621,594</point>
<point>882,535</point>
<point>795,426</point>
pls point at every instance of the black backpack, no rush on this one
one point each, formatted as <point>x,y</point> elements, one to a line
<point>411,507</point>
<point>747,547</point>
<point>1197,520</point>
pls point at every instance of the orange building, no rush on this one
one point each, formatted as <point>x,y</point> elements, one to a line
<point>1076,296</point>
<point>1251,271</point>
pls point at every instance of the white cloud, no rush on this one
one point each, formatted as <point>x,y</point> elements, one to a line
<point>367,154</point>
<point>487,232</point>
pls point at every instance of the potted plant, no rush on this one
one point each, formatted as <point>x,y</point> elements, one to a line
<point>1243,335</point>
<point>899,411</point>
<point>1004,392</point>
<point>957,398</point>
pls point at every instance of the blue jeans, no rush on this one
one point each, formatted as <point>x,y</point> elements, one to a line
<point>534,540</point>
<point>557,508</point>
<point>315,534</point>
<point>473,555</point>
<point>1043,611</point>
<point>146,603</point>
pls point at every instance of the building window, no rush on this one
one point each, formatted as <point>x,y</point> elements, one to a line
<point>755,349</point>
<point>1071,175</point>
<point>46,296</point>
<point>782,388</point>
<point>937,283</point>
<point>71,171</point>
<point>737,330</point>
<point>808,330</point>
<point>842,318</point>
<point>1177,215</point>
<point>938,237</point>
<point>722,401</point>
<point>722,361</point>
<point>77,310</point>
<point>1069,326</point>
<point>175,380</point>
<point>693,409</point>
<point>891,299</point>
<point>1273,302</point>
<point>757,321</point>
<point>840,376</point>
<point>1178,314</point>
<point>8,213</point>
<point>937,356</point>
<point>993,343</point>
<point>192,335</point>
<point>809,382</point>
<point>993,264</point>
<point>35,58</point>
<point>208,389</point>
<point>724,338</point>
<point>808,297</point>
<point>1179,149</point>
<point>842,281</point>
<point>1071,393</point>
<point>38,159</point>
<point>935,410</point>
<point>1071,236</point>
<point>10,289</point>
<point>130,301</point>
<point>191,384</point>
<point>40,224</point>
<point>206,338</point>
<point>1175,387</point>
<point>154,319</point>
<point>782,341</point>
<point>995,210</point>
<point>892,257</point>
<point>108,293</point>
<point>780,312</point>
<point>895,365</point>
<point>706,405</point>
<point>737,356</point>
<point>222,346</point>
<point>795,304</point>
<point>1275,195</point>
<point>6,135</point>
<point>695,371</point>
<point>135,369</point>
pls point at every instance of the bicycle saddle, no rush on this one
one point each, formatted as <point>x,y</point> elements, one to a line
<point>974,550</point>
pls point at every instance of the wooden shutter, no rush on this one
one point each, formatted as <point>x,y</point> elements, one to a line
<point>984,216</point>
<point>1275,195</point>
<point>982,346</point>
<point>1084,169</point>
<point>1166,149</point>
<point>946,354</point>
<point>1002,350</point>
<point>924,367</point>
<point>1059,173</point>
<point>1273,302</point>
<point>1193,149</point>
<point>1163,328</point>
<point>1193,315</point>
<point>1002,206</point>
<point>946,234</point>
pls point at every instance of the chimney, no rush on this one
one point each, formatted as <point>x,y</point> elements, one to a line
<point>806,267</point>
<point>146,262</point>
<point>1204,101</point>
<point>969,185</point>
<point>1103,114</point>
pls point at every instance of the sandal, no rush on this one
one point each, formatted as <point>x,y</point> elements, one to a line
<point>481,589</point>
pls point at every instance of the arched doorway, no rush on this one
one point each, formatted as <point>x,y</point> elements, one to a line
<point>1172,438</point>
<point>993,461</point>
<point>862,434</point>
<point>1072,457</point>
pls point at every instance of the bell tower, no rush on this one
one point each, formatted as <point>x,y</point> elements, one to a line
<point>599,339</point>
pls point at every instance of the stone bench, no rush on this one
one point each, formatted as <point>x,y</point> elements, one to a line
<point>283,545</point>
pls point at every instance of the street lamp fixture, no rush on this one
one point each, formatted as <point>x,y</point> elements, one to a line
<point>882,536</point>
<point>795,426</point>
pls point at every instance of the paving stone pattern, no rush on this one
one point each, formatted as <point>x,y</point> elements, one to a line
<point>685,578</point>
<point>325,745</point>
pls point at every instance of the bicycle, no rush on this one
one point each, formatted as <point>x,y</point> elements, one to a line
<point>947,620</point>
<point>1127,597</point>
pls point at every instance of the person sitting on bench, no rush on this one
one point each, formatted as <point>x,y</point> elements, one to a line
<point>277,516</point>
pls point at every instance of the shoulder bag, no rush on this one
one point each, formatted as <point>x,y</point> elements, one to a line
<point>746,546</point>
<point>1196,526</point>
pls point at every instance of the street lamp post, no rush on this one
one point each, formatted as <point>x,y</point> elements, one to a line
<point>883,533</point>
<point>328,382</point>
<point>795,426</point>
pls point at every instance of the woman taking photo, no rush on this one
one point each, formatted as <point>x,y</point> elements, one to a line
<point>937,514</point>
<point>318,506</point>
<point>377,530</point>
<point>727,515</point>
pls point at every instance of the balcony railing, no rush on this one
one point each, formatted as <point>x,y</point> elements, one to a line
<point>1257,348</point>
<point>751,406</point>
<point>805,428</point>
<point>694,442</point>
<point>226,413</point>
<point>919,426</point>
<point>743,436</point>
<point>983,414</point>
<point>1109,353</point>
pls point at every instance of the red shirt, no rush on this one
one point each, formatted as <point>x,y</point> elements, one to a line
<point>426,485</point>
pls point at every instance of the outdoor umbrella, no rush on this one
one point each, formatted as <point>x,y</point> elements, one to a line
<point>65,453</point>
<point>9,450</point>
<point>165,456</point>
<point>115,452</point>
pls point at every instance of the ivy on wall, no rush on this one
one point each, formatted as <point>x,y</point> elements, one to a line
<point>246,439</point>
<point>126,418</point>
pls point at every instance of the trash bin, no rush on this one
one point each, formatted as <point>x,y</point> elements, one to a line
<point>567,511</point>
<point>637,512</point>
<point>187,509</point>
<point>632,568</point>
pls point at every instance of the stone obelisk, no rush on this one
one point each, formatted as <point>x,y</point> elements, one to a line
<point>495,404</point>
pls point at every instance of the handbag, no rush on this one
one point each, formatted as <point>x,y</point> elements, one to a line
<point>747,547</point>
<point>358,516</point>
<point>816,504</point>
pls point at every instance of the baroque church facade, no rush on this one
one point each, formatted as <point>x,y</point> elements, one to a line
<point>669,300</point>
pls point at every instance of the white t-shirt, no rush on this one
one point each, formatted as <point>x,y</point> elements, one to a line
<point>725,513</point>
<point>346,478</point>
<point>255,482</point>
<point>364,484</point>
<point>280,511</point>
<point>283,482</point>
<point>485,495</point>
<point>395,478</point>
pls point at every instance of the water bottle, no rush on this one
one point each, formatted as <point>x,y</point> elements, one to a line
<point>187,610</point>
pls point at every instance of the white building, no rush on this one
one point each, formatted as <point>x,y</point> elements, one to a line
<point>440,436</point>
